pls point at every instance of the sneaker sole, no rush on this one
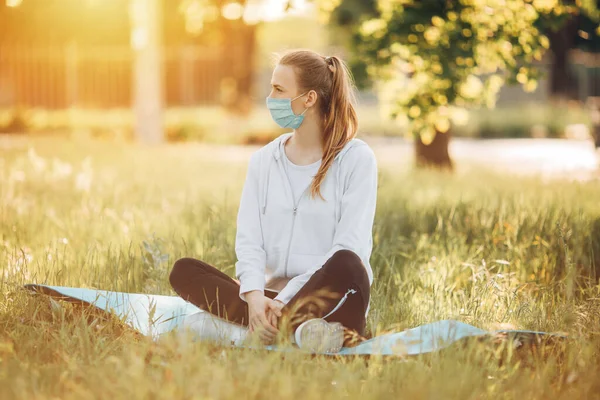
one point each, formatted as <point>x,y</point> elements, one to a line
<point>320,336</point>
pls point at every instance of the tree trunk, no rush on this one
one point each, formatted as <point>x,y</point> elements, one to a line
<point>245,67</point>
<point>228,87</point>
<point>147,72</point>
<point>593,103</point>
<point>562,83</point>
<point>237,63</point>
<point>435,154</point>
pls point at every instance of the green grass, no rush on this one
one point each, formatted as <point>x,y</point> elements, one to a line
<point>481,248</point>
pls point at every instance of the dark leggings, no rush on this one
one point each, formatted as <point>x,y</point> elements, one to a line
<point>213,291</point>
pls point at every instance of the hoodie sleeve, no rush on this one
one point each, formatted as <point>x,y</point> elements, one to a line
<point>354,230</point>
<point>249,249</point>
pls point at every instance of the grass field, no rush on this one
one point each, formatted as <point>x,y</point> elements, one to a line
<point>481,248</point>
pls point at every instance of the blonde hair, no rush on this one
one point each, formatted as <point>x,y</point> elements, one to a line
<point>331,78</point>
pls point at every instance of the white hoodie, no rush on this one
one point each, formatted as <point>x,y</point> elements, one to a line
<point>277,239</point>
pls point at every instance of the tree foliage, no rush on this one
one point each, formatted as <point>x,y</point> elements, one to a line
<point>437,56</point>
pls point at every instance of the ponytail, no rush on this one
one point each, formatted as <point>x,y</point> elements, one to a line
<point>332,80</point>
<point>340,122</point>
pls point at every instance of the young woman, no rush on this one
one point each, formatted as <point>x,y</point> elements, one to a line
<point>304,226</point>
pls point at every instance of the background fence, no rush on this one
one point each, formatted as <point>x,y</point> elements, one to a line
<point>101,77</point>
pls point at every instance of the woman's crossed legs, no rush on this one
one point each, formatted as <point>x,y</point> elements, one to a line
<point>213,291</point>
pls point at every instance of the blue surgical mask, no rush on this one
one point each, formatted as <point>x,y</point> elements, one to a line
<point>282,113</point>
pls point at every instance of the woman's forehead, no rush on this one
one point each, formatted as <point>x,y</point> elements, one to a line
<point>283,75</point>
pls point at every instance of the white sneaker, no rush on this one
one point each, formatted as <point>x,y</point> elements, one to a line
<point>207,327</point>
<point>319,336</point>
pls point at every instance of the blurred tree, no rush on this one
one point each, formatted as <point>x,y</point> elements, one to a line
<point>575,29</point>
<point>231,26</point>
<point>436,57</point>
<point>344,17</point>
<point>148,87</point>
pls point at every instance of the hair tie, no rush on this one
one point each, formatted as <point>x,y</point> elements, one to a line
<point>328,61</point>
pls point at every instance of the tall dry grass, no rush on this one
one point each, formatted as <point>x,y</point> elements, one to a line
<point>481,248</point>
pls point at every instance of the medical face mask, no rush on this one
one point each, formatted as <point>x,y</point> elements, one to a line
<point>282,113</point>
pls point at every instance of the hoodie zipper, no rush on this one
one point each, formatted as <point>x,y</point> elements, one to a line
<point>295,209</point>
<point>294,213</point>
<point>341,302</point>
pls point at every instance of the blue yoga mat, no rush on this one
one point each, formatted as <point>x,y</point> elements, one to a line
<point>154,315</point>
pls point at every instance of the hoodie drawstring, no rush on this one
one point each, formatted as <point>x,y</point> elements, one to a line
<point>338,188</point>
<point>276,154</point>
<point>266,187</point>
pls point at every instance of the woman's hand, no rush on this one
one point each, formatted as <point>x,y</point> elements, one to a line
<point>258,305</point>
<point>274,312</point>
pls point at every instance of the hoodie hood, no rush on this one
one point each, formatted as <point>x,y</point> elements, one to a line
<point>276,146</point>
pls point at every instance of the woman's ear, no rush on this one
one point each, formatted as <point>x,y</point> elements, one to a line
<point>311,98</point>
